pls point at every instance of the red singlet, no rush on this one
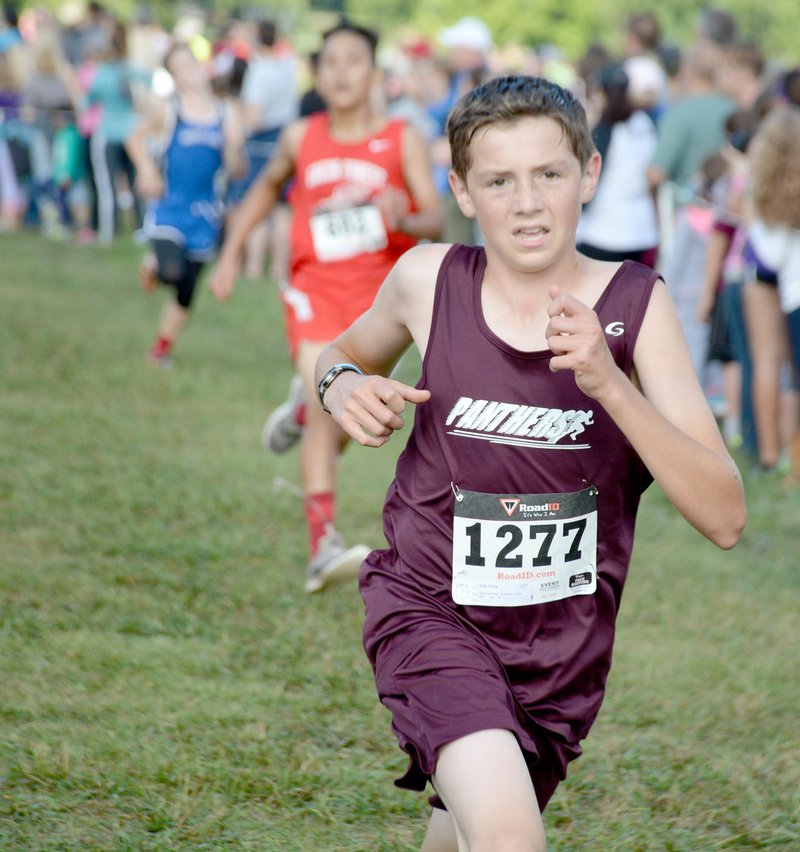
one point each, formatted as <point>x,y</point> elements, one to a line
<point>341,250</point>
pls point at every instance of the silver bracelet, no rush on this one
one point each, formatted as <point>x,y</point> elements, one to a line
<point>327,380</point>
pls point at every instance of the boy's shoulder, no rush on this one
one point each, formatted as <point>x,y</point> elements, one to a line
<point>415,273</point>
<point>626,280</point>
<point>294,133</point>
<point>423,261</point>
<point>411,289</point>
<point>600,273</point>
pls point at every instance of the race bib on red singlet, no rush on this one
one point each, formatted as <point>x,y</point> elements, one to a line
<point>345,233</point>
<point>523,549</point>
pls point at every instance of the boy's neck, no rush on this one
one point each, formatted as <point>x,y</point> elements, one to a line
<point>514,303</point>
<point>355,123</point>
<point>520,285</point>
<point>196,101</point>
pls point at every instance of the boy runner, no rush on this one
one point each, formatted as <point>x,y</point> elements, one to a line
<point>199,139</point>
<point>362,195</point>
<point>540,421</point>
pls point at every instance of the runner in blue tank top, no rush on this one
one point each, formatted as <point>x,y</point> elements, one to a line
<point>182,152</point>
<point>554,388</point>
<point>189,212</point>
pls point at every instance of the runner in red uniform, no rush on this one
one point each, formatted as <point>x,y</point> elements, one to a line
<point>490,615</point>
<point>341,246</point>
<point>362,195</point>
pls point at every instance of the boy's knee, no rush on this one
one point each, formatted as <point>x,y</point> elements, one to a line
<point>505,838</point>
<point>504,829</point>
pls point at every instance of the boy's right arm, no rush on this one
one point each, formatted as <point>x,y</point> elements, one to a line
<point>369,407</point>
<point>149,180</point>
<point>256,205</point>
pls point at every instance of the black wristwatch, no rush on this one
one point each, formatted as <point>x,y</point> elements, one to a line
<point>327,380</point>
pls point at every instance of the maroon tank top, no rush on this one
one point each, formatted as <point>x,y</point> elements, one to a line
<point>498,421</point>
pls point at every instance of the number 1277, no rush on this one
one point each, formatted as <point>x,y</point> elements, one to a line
<point>511,554</point>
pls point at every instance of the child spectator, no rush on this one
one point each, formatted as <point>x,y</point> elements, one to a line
<point>775,234</point>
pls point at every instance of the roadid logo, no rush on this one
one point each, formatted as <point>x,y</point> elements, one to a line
<point>509,505</point>
<point>539,507</point>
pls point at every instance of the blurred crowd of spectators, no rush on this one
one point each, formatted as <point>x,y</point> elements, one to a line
<point>699,175</point>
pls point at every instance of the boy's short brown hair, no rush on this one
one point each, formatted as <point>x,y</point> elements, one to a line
<point>505,100</point>
<point>345,26</point>
<point>644,27</point>
<point>746,53</point>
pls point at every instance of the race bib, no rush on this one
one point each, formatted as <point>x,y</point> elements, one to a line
<point>340,234</point>
<point>524,549</point>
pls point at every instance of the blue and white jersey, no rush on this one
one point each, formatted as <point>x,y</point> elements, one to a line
<point>190,211</point>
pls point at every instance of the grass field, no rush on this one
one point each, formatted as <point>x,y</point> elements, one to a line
<point>167,685</point>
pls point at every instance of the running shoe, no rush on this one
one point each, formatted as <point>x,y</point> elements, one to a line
<point>334,562</point>
<point>162,360</point>
<point>283,427</point>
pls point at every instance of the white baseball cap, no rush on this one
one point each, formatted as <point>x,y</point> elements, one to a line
<point>467,32</point>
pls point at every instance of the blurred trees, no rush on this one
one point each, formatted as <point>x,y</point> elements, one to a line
<point>569,24</point>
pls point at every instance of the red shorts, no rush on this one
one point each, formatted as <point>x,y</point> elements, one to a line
<point>320,315</point>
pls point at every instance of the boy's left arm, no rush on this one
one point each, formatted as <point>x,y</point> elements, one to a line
<point>427,220</point>
<point>668,421</point>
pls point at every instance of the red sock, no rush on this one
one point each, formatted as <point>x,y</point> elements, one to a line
<point>319,513</point>
<point>161,346</point>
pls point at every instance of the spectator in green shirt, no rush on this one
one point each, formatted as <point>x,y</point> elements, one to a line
<point>693,126</point>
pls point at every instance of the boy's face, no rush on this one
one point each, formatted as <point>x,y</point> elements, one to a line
<point>733,77</point>
<point>346,71</point>
<point>525,186</point>
<point>187,72</point>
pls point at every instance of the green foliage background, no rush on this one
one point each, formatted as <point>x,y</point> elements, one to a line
<point>570,24</point>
